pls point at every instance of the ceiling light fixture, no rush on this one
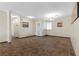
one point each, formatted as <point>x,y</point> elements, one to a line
<point>52,15</point>
<point>31,17</point>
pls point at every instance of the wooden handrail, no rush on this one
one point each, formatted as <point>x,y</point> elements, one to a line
<point>75,20</point>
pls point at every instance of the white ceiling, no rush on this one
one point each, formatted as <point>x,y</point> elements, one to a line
<point>37,8</point>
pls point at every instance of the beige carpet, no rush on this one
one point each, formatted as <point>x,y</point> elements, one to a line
<point>38,46</point>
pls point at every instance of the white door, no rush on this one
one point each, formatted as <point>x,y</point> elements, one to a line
<point>38,29</point>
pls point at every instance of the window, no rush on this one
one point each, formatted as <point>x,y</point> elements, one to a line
<point>48,25</point>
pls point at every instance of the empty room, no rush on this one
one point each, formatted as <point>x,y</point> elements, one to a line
<point>39,29</point>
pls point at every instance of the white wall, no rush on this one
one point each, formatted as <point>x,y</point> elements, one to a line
<point>60,31</point>
<point>4,26</point>
<point>20,32</point>
<point>75,36</point>
<point>24,32</point>
<point>56,31</point>
<point>15,24</point>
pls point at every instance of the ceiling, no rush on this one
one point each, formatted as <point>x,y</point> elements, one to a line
<point>37,9</point>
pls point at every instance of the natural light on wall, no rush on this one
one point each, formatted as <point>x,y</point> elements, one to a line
<point>48,25</point>
<point>50,17</point>
<point>15,19</point>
